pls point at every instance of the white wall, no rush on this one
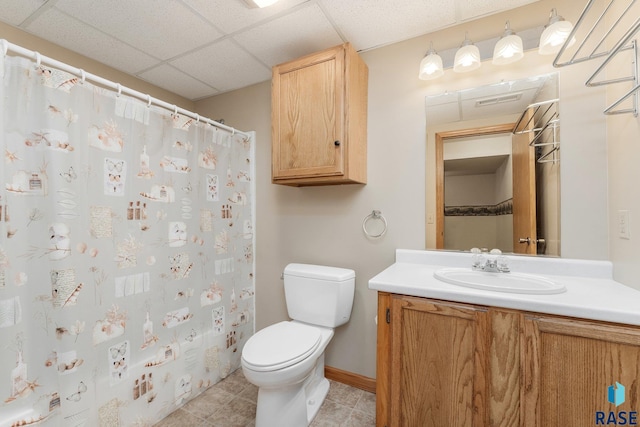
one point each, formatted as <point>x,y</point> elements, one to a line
<point>470,190</point>
<point>623,137</point>
<point>323,224</point>
<point>504,239</point>
<point>466,232</point>
<point>477,146</point>
<point>504,181</point>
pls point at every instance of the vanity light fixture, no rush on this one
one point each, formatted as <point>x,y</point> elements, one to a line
<point>555,34</point>
<point>431,65</point>
<point>509,47</point>
<point>259,3</point>
<point>467,57</point>
<point>505,49</point>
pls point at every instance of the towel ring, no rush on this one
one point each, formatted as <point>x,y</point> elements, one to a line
<point>375,214</point>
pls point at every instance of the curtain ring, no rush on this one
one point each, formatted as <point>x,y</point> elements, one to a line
<point>38,59</point>
<point>175,110</point>
<point>375,214</point>
<point>197,118</point>
<point>5,47</point>
<point>83,76</point>
<point>119,87</point>
<point>148,101</point>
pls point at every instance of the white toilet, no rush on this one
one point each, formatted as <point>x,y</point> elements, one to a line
<point>286,360</point>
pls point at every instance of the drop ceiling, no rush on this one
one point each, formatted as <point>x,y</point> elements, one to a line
<point>495,100</point>
<point>200,48</point>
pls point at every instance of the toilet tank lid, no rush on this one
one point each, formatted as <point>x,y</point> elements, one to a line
<point>320,272</point>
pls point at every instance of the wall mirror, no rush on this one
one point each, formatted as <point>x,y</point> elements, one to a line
<point>497,162</point>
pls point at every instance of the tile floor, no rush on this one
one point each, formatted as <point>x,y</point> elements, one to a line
<point>232,402</point>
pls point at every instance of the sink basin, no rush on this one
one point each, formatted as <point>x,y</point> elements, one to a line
<point>501,282</point>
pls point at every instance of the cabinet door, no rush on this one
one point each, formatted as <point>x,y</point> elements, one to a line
<point>307,116</point>
<point>569,366</point>
<point>438,363</point>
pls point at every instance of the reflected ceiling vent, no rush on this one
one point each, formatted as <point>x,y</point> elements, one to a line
<point>509,97</point>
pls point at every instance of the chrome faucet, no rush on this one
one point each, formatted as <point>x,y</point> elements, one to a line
<point>490,261</point>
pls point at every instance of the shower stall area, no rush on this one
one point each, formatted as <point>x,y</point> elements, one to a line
<point>126,249</point>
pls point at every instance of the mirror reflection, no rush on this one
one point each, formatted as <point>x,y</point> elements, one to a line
<point>498,166</point>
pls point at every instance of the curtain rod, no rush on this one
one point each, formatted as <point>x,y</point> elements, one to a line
<point>7,46</point>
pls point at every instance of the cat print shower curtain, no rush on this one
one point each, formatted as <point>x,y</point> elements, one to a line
<point>126,253</point>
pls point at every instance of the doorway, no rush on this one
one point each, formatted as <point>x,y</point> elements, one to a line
<point>523,190</point>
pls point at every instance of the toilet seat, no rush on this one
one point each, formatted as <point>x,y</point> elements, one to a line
<point>279,346</point>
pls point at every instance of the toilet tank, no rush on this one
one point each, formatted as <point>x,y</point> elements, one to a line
<point>318,294</point>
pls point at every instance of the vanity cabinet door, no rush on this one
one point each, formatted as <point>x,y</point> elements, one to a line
<point>319,119</point>
<point>437,363</point>
<point>569,366</point>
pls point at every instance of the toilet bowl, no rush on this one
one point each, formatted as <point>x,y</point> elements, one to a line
<point>286,360</point>
<point>289,372</point>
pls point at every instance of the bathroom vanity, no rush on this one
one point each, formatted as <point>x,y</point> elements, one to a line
<point>451,355</point>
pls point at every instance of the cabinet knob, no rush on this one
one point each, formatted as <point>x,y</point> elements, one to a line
<point>336,143</point>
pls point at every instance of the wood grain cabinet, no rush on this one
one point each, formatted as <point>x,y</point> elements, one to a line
<point>452,364</point>
<point>319,119</point>
<point>569,365</point>
<point>438,352</point>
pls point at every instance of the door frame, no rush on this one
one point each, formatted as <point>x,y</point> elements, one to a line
<point>440,140</point>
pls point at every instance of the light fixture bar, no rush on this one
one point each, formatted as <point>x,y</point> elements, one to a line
<point>530,40</point>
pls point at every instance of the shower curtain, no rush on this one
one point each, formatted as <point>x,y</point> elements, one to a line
<point>126,253</point>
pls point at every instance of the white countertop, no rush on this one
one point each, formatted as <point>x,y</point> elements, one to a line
<point>591,291</point>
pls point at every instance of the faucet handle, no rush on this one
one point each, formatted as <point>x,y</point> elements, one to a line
<point>493,255</point>
<point>477,258</point>
<point>503,264</point>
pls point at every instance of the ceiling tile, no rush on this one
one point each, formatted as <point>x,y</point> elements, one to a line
<point>367,24</point>
<point>299,33</point>
<point>176,81</point>
<point>445,113</point>
<point>223,65</point>
<point>232,15</point>
<point>209,46</point>
<point>15,11</point>
<point>439,99</point>
<point>472,9</point>
<point>63,30</point>
<point>163,29</point>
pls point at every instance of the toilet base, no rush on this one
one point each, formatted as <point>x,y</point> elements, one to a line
<point>315,400</point>
<point>295,405</point>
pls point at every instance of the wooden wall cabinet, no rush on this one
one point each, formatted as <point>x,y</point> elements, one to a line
<point>319,119</point>
<point>451,364</point>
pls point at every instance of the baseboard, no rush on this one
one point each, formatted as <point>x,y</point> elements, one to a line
<point>349,378</point>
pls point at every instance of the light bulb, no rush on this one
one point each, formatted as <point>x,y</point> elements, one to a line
<point>467,57</point>
<point>555,34</point>
<point>509,48</point>
<point>430,66</point>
